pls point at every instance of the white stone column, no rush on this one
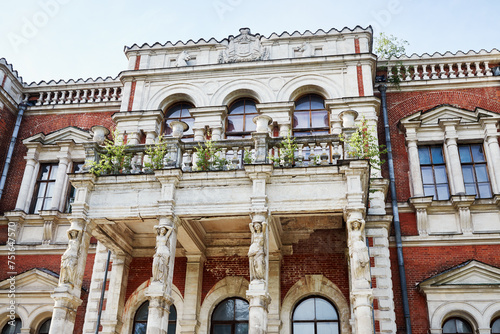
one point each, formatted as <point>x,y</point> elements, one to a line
<point>493,151</point>
<point>60,184</point>
<point>274,321</point>
<point>29,177</point>
<point>192,293</point>
<point>414,161</point>
<point>454,164</point>
<point>112,321</point>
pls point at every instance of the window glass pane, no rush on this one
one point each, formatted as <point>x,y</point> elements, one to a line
<point>484,190</point>
<point>319,120</point>
<point>47,203</point>
<point>325,310</point>
<point>249,124</point>
<point>303,328</point>
<point>140,328</point>
<point>303,103</point>
<point>189,122</point>
<point>464,153</point>
<point>437,155</point>
<point>8,329</point>
<point>481,173</point>
<point>462,326</point>
<point>41,189</point>
<point>317,102</point>
<point>241,328</point>
<point>443,193</point>
<point>237,108</point>
<point>224,311</point>
<point>427,176</point>
<point>50,189</point>
<point>301,120</point>
<point>241,309</point>
<point>440,173</point>
<point>173,313</point>
<point>235,123</point>
<point>172,328</point>
<point>430,191</point>
<point>38,205</point>
<point>44,329</point>
<point>44,172</point>
<point>477,152</point>
<point>174,112</point>
<point>424,155</point>
<point>222,329</point>
<point>305,310</point>
<point>327,328</point>
<point>53,172</point>
<point>470,189</point>
<point>495,328</point>
<point>142,312</point>
<point>449,326</point>
<point>250,107</point>
<point>468,173</point>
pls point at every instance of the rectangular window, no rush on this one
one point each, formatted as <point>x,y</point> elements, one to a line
<point>42,197</point>
<point>475,170</point>
<point>434,176</point>
<point>72,191</point>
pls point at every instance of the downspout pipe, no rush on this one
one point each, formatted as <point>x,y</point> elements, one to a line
<point>103,290</point>
<point>395,212</point>
<point>10,152</point>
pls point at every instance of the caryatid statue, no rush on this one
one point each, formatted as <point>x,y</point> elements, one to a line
<point>161,259</point>
<point>257,251</point>
<point>360,259</point>
<point>69,260</point>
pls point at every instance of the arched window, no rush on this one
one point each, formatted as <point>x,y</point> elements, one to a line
<point>310,116</point>
<point>12,328</point>
<point>179,112</point>
<point>230,317</point>
<point>141,319</point>
<point>45,327</point>
<point>315,315</point>
<point>495,326</point>
<point>240,118</point>
<point>457,325</point>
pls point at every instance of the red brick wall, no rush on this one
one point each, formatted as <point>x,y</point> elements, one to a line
<point>402,104</point>
<point>46,124</point>
<point>141,270</point>
<point>424,262</point>
<point>53,263</point>
<point>7,122</point>
<point>323,253</point>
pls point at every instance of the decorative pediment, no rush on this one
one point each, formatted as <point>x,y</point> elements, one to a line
<point>244,47</point>
<point>466,275</point>
<point>68,133</point>
<point>34,280</point>
<point>446,112</point>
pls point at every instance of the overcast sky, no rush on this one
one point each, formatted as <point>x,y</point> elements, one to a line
<point>69,39</point>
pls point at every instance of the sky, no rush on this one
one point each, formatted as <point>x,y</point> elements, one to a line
<point>71,39</point>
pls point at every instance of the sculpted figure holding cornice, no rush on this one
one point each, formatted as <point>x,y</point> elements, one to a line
<point>161,259</point>
<point>69,259</point>
<point>360,259</point>
<point>257,252</point>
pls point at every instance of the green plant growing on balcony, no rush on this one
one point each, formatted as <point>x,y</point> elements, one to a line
<point>363,144</point>
<point>157,153</point>
<point>388,47</point>
<point>113,160</point>
<point>287,151</point>
<point>208,157</point>
<point>247,157</point>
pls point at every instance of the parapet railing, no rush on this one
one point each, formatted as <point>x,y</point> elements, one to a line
<point>76,96</point>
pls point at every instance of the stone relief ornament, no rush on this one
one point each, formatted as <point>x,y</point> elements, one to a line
<point>69,260</point>
<point>161,259</point>
<point>305,50</point>
<point>257,251</point>
<point>245,47</point>
<point>182,59</point>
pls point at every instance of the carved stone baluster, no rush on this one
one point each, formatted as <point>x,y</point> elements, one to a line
<point>451,71</point>
<point>407,73</point>
<point>39,102</point>
<point>443,72</point>
<point>85,95</point>
<point>91,97</point>
<point>416,74</point>
<point>55,98</point>
<point>300,155</point>
<point>479,71</point>
<point>399,73</point>
<point>487,69</point>
<point>276,154</point>
<point>114,95</point>
<point>336,152</point>
<point>106,95</point>
<point>62,99</point>
<point>425,73</point>
<point>324,156</point>
<point>389,73</point>
<point>98,97</point>
<point>460,70</point>
<point>69,98</point>
<point>433,72</point>
<point>469,70</point>
<point>234,160</point>
<point>188,164</point>
<point>76,99</point>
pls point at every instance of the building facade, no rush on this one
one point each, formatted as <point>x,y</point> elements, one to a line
<point>230,201</point>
